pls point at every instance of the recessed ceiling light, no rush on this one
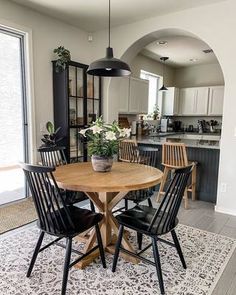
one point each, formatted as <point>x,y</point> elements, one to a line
<point>193,59</point>
<point>162,42</point>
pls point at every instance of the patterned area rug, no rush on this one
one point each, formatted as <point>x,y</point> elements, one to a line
<point>17,214</point>
<point>206,255</point>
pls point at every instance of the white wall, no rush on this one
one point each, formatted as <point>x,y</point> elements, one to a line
<point>47,34</point>
<point>209,24</point>
<point>141,62</point>
<point>191,76</point>
<point>199,75</point>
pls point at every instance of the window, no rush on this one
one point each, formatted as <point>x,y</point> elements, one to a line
<point>13,115</point>
<point>154,96</point>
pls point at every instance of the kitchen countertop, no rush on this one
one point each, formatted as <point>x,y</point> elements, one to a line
<point>161,138</point>
<point>164,134</point>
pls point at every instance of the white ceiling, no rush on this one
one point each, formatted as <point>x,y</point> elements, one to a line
<point>180,49</point>
<point>92,15</point>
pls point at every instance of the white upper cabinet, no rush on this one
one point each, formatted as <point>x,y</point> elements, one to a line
<point>170,102</point>
<point>195,101</point>
<point>201,101</point>
<point>216,99</point>
<point>123,95</point>
<point>187,101</point>
<point>133,93</point>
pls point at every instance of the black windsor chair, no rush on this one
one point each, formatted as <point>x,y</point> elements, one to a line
<point>156,222</point>
<point>142,155</point>
<point>54,157</point>
<point>58,219</point>
<point>146,156</point>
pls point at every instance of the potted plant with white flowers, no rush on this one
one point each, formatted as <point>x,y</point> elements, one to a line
<point>103,143</point>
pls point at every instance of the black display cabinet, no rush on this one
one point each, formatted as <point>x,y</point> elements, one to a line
<point>77,101</point>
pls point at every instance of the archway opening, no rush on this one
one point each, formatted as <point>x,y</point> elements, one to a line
<point>183,72</point>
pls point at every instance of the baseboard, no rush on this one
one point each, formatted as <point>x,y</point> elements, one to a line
<point>225,210</point>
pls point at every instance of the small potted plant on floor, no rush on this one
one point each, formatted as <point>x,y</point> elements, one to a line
<point>103,143</point>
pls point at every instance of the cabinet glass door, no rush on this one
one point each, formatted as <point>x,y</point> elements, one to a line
<point>90,112</point>
<point>76,96</point>
<point>72,81</point>
<point>76,112</point>
<point>93,98</point>
<point>80,97</point>
<point>76,146</point>
<point>96,87</point>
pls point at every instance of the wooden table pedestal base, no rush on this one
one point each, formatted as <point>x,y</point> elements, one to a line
<point>109,227</point>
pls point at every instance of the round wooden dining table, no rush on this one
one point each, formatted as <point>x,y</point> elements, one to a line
<point>106,190</point>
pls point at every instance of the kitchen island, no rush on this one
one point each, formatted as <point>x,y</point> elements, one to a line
<point>202,148</point>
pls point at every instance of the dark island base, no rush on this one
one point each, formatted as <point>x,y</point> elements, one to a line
<point>207,170</point>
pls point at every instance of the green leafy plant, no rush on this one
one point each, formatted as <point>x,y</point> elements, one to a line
<point>156,112</point>
<point>103,139</point>
<point>64,56</point>
<point>51,138</point>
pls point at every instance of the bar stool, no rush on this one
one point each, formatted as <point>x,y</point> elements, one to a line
<point>174,156</point>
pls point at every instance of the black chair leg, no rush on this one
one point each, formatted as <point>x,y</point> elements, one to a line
<point>140,240</point>
<point>126,204</point>
<point>158,265</point>
<point>178,248</point>
<point>36,251</point>
<point>66,265</point>
<point>117,250</point>
<point>100,245</point>
<point>149,202</point>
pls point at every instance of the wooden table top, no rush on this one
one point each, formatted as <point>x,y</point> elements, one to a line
<point>122,177</point>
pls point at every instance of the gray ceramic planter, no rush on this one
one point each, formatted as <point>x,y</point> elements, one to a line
<point>101,164</point>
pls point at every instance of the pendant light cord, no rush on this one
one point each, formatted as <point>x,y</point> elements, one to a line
<point>109,24</point>
<point>163,70</point>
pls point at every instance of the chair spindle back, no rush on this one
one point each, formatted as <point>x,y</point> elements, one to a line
<point>128,151</point>
<point>169,207</point>
<point>52,212</point>
<point>147,156</point>
<point>174,154</point>
<point>52,156</point>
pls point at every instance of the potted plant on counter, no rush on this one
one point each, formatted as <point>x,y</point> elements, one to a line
<point>156,112</point>
<point>103,143</point>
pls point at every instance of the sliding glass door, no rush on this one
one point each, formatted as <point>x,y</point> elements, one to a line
<point>13,116</point>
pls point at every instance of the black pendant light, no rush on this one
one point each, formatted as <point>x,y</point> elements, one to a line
<point>109,66</point>
<point>163,59</point>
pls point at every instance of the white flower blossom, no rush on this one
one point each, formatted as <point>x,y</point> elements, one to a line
<point>119,129</point>
<point>110,135</point>
<point>96,129</point>
<point>83,131</point>
<point>125,132</point>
